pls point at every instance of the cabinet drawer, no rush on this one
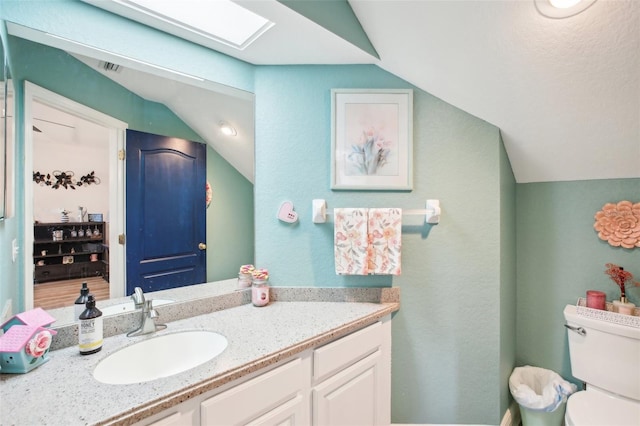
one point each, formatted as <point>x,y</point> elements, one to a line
<point>252,399</point>
<point>342,353</point>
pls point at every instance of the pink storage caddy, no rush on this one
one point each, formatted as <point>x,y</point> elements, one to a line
<point>26,341</point>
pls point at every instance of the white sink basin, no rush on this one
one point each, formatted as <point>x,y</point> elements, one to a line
<point>129,306</point>
<point>159,357</point>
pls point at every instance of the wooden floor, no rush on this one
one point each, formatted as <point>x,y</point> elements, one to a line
<point>56,294</point>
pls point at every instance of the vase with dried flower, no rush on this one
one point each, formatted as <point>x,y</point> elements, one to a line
<point>621,277</point>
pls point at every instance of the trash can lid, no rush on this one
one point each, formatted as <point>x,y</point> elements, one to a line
<point>593,407</point>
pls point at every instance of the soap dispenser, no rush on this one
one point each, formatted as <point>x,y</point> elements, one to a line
<point>90,328</point>
<point>81,301</point>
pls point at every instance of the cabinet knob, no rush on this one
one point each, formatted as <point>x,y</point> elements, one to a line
<point>202,246</point>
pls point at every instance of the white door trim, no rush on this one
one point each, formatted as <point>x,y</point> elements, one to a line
<point>117,131</point>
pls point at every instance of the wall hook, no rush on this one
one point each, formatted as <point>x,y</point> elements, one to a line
<point>319,211</point>
<point>433,211</point>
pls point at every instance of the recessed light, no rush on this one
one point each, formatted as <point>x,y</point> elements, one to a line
<point>227,129</point>
<point>564,4</point>
<point>559,9</point>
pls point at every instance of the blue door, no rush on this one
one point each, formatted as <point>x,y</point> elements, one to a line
<point>165,212</point>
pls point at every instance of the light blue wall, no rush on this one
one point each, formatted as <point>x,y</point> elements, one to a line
<point>447,343</point>
<point>560,257</point>
<point>230,236</point>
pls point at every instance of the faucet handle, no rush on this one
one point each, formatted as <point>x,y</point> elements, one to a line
<point>150,310</point>
<point>153,314</point>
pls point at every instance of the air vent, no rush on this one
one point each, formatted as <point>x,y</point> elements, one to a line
<point>110,66</point>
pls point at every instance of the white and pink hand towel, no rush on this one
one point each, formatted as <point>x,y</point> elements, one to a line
<point>385,241</point>
<point>350,241</point>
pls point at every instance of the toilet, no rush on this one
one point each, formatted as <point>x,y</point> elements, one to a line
<point>606,356</point>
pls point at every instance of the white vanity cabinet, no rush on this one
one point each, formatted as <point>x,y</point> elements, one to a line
<point>344,382</point>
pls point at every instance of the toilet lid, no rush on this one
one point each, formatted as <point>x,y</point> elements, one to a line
<point>597,409</point>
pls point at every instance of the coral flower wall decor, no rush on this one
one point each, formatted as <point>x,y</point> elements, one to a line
<point>619,224</point>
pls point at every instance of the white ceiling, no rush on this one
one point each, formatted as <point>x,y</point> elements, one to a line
<point>564,92</point>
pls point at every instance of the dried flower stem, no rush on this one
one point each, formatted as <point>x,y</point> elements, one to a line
<point>619,276</point>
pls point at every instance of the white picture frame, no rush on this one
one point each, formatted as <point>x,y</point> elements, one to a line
<point>372,139</point>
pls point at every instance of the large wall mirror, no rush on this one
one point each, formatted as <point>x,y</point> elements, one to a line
<point>75,111</point>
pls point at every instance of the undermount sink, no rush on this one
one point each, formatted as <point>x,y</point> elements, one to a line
<point>161,356</point>
<point>129,306</point>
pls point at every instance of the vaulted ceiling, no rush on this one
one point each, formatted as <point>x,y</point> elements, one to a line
<point>565,93</point>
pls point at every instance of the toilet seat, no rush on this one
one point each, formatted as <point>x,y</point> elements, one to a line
<point>598,408</point>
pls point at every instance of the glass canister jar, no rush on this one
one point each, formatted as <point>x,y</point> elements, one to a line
<point>260,292</point>
<point>244,280</point>
<point>245,276</point>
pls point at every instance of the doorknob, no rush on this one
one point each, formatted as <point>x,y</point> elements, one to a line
<point>202,246</point>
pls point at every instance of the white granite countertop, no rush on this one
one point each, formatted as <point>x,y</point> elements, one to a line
<point>64,392</point>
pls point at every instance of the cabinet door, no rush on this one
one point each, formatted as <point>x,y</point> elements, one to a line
<point>351,397</point>
<point>258,397</point>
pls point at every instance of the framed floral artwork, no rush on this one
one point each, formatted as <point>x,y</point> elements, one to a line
<point>371,139</point>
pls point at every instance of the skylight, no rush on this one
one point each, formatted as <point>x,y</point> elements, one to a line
<point>219,20</point>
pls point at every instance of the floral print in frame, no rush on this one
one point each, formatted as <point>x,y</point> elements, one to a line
<point>372,139</point>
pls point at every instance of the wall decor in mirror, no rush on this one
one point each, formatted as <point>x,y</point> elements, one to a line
<point>59,179</point>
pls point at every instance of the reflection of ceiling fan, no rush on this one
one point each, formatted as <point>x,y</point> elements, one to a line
<point>35,129</point>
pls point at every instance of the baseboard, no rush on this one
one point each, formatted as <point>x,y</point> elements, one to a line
<point>511,416</point>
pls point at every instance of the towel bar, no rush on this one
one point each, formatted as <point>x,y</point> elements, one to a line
<point>431,212</point>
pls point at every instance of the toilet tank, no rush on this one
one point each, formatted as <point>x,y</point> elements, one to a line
<point>606,356</point>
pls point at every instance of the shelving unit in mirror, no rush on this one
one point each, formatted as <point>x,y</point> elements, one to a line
<point>62,251</point>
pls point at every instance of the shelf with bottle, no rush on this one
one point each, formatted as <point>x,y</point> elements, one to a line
<point>69,250</point>
<point>60,231</point>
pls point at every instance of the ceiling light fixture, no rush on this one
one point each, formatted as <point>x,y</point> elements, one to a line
<point>227,130</point>
<point>559,9</point>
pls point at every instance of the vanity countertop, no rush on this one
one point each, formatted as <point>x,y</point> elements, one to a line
<point>64,392</point>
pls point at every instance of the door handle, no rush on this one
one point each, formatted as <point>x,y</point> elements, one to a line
<point>202,246</point>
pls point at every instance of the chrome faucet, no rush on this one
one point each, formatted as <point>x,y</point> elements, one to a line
<point>149,315</point>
